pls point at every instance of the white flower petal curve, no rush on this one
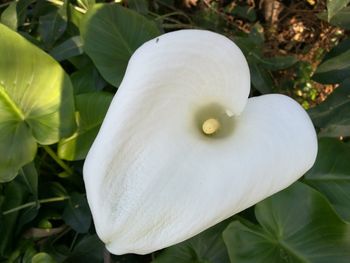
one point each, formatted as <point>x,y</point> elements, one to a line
<point>154,179</point>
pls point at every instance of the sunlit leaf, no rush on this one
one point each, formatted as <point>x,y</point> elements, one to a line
<point>36,102</point>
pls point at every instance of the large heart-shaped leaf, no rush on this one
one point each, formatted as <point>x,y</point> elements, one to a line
<point>111,34</point>
<point>331,174</point>
<point>296,225</point>
<point>36,102</point>
<point>91,110</point>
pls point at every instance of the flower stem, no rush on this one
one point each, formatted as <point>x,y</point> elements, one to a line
<point>30,204</point>
<point>54,156</point>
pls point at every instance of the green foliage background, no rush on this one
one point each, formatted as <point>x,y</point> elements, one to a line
<point>60,64</point>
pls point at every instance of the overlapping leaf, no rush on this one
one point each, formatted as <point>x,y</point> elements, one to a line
<point>111,34</point>
<point>296,225</point>
<point>91,109</point>
<point>207,247</point>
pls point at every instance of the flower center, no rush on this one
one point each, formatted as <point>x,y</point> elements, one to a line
<point>210,126</point>
<point>214,121</point>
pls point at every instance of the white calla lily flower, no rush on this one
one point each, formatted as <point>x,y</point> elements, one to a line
<point>183,148</point>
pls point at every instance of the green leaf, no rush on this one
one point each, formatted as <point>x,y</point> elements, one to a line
<point>81,62</point>
<point>278,63</point>
<point>70,48</point>
<point>9,16</point>
<point>28,176</point>
<point>14,15</point>
<point>29,251</point>
<point>77,213</point>
<point>335,67</point>
<point>88,250</point>
<point>331,174</point>
<point>260,78</point>
<point>14,195</point>
<point>334,6</point>
<point>21,7</point>
<point>342,19</point>
<point>333,115</point>
<point>36,102</point>
<point>296,225</point>
<point>53,25</point>
<point>16,140</point>
<point>111,34</point>
<point>245,12</point>
<point>42,257</point>
<point>74,21</point>
<point>140,6</point>
<point>87,79</point>
<point>207,247</point>
<point>91,110</point>
<point>253,43</point>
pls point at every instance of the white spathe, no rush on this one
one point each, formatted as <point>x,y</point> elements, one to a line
<point>154,179</point>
